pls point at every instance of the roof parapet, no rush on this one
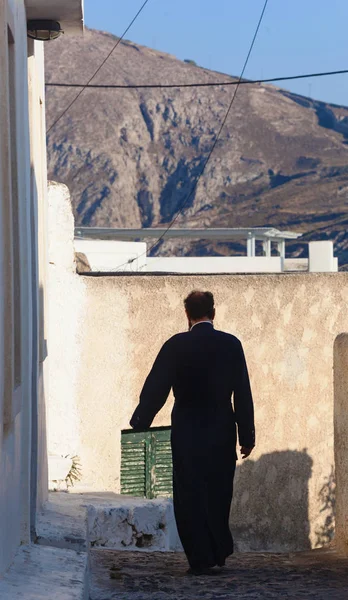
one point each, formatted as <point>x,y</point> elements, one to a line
<point>221,233</point>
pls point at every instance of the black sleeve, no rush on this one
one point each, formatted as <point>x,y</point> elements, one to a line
<point>155,391</point>
<point>243,403</point>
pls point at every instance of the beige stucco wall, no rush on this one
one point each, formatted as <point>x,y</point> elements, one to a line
<point>287,324</point>
<point>111,329</point>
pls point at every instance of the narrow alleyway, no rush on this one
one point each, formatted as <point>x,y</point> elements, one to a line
<point>319,575</point>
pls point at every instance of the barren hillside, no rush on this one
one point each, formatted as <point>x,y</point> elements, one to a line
<point>130,157</point>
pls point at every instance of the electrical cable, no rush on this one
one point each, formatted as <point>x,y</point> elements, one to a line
<point>195,85</point>
<point>99,68</point>
<point>217,137</point>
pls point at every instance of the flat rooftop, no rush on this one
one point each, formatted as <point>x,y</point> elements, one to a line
<point>220,233</point>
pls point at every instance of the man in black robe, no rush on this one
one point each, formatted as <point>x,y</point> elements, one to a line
<point>205,368</point>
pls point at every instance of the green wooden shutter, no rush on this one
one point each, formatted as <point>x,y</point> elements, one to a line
<point>162,479</point>
<point>146,463</point>
<point>133,463</point>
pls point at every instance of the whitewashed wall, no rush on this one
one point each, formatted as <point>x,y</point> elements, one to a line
<point>214,264</point>
<point>112,255</point>
<point>22,194</point>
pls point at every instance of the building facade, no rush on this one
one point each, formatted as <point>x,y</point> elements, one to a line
<point>103,249</point>
<point>23,268</point>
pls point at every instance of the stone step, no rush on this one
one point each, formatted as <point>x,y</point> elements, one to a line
<point>62,521</point>
<point>133,524</point>
<point>41,573</point>
<point>82,520</point>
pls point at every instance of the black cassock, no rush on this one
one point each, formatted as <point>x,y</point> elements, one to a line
<point>205,368</point>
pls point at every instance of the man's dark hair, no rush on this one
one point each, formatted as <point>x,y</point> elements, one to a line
<point>199,305</point>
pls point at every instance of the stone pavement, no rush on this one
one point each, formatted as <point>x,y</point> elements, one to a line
<point>42,573</point>
<point>319,575</point>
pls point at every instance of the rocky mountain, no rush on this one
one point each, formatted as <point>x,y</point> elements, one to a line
<point>131,156</point>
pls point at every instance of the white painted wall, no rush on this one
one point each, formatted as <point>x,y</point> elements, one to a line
<point>22,184</point>
<point>66,311</point>
<point>321,257</point>
<point>112,255</point>
<point>108,256</point>
<point>15,399</point>
<point>213,264</point>
<point>39,260</point>
<point>295,264</point>
<point>23,269</point>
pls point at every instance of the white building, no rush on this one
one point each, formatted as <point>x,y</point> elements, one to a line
<point>23,308</point>
<point>120,250</point>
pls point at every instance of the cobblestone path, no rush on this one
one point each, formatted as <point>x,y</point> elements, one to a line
<point>317,575</point>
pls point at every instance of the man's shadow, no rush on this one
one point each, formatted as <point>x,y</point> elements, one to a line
<point>270,503</point>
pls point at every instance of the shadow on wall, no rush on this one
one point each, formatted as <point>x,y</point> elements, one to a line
<point>270,503</point>
<point>327,495</point>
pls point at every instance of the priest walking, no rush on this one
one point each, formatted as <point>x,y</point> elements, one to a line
<point>205,368</point>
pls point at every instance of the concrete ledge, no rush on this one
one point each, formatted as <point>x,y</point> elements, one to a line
<point>83,520</point>
<point>39,573</point>
<point>62,521</point>
<point>134,524</point>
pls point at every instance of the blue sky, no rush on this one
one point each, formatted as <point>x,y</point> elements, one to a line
<point>297,36</point>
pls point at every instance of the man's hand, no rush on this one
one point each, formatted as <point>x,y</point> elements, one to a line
<point>245,452</point>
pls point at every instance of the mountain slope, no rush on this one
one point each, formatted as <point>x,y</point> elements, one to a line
<point>130,157</point>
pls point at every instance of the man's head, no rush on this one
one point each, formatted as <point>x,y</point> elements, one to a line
<point>199,306</point>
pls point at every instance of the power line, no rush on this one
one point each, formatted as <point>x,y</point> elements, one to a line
<point>217,137</point>
<point>100,66</point>
<point>195,85</point>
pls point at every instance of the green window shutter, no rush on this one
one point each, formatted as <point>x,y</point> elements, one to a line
<point>163,465</point>
<point>133,463</point>
<point>146,463</point>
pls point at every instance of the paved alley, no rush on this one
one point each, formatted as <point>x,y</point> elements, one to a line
<point>319,575</point>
